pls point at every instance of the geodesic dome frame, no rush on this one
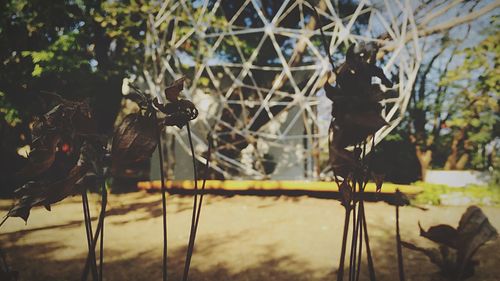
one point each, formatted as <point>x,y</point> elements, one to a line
<point>256,74</point>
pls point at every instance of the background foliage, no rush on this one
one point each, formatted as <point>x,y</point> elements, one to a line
<point>83,49</point>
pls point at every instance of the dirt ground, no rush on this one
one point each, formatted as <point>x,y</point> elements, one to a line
<point>241,238</point>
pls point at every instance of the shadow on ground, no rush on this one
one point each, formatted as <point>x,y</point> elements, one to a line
<point>240,239</point>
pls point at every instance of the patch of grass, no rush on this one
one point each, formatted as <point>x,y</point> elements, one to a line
<point>481,195</point>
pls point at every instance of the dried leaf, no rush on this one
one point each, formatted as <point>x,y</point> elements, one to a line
<point>433,254</point>
<point>345,191</point>
<point>359,126</point>
<point>172,92</point>
<point>134,141</point>
<point>46,193</point>
<point>65,119</point>
<point>138,98</point>
<point>333,93</point>
<point>352,129</point>
<point>377,94</point>
<point>343,161</point>
<point>474,230</point>
<point>68,117</point>
<point>379,180</point>
<point>355,75</point>
<point>442,234</point>
<point>177,113</point>
<point>355,108</point>
<point>42,155</point>
<point>81,121</point>
<point>400,199</point>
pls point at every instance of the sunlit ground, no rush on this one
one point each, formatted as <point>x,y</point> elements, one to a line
<point>239,238</point>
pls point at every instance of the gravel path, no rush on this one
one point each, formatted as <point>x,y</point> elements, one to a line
<point>243,238</point>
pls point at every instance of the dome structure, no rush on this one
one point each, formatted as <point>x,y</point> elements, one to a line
<point>255,70</point>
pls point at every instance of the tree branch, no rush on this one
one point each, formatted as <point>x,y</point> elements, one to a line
<point>459,20</point>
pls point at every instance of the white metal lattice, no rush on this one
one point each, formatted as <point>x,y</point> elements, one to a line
<point>256,75</point>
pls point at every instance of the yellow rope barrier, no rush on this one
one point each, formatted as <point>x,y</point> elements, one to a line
<point>235,185</point>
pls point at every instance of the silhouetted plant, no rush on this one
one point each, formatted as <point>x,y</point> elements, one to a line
<point>139,134</point>
<point>457,246</point>
<point>69,157</point>
<point>356,117</point>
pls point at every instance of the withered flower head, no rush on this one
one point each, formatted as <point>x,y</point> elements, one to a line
<point>135,139</point>
<point>178,111</point>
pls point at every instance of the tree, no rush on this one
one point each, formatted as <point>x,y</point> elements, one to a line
<point>476,109</point>
<point>454,108</point>
<point>78,49</point>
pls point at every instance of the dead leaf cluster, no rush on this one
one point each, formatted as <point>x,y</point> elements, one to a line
<point>55,167</point>
<point>457,246</point>
<point>136,138</point>
<point>356,111</point>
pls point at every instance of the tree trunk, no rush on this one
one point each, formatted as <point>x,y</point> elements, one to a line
<point>424,155</point>
<point>451,161</point>
<point>462,161</point>
<point>424,159</point>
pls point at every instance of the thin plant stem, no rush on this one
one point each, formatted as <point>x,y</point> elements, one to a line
<point>323,37</point>
<point>399,249</point>
<point>94,243</point>
<point>102,215</point>
<point>163,200</point>
<point>209,153</point>
<point>371,267</point>
<point>340,272</point>
<point>359,229</point>
<point>98,233</point>
<point>190,248</point>
<point>352,257</point>
<point>4,219</point>
<point>353,242</point>
<point>360,237</point>
<point>88,228</point>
